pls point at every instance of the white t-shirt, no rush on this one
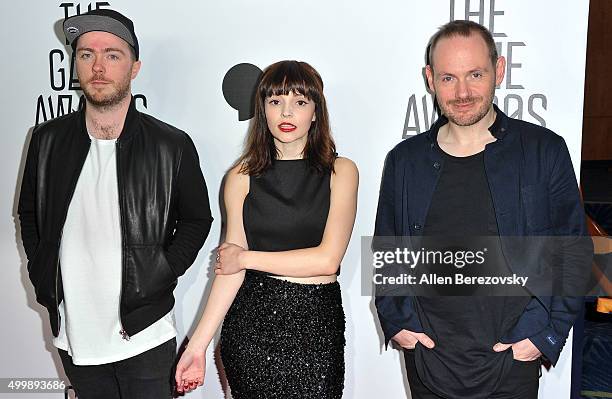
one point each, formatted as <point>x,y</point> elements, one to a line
<point>90,261</point>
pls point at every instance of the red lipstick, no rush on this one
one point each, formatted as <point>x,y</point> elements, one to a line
<point>286,127</point>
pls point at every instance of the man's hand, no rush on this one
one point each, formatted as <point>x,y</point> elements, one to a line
<point>523,351</point>
<point>408,339</point>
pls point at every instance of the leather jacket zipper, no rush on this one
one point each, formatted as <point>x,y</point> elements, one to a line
<point>122,332</point>
<point>57,270</point>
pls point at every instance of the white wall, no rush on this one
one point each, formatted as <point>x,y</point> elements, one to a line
<point>370,55</point>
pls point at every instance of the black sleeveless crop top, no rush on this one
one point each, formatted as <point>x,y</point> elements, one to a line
<point>286,207</point>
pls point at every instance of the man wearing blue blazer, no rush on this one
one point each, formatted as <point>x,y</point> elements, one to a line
<point>478,172</point>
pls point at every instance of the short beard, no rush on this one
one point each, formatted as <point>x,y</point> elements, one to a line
<point>111,101</point>
<point>469,120</point>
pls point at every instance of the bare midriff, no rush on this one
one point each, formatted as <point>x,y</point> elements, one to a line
<point>308,280</point>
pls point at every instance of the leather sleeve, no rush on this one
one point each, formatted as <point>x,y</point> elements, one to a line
<point>194,217</point>
<point>27,200</point>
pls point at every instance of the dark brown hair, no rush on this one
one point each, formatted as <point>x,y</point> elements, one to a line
<point>278,79</point>
<point>465,29</point>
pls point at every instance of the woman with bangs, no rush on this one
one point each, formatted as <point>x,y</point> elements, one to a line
<point>291,206</point>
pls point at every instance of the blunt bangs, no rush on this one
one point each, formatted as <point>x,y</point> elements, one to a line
<point>286,77</point>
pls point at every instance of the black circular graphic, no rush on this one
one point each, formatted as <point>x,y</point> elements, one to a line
<point>238,88</point>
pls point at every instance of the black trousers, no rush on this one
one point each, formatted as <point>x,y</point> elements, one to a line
<point>522,382</point>
<point>148,375</point>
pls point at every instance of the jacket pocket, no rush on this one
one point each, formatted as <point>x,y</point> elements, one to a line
<point>534,199</point>
<point>148,276</point>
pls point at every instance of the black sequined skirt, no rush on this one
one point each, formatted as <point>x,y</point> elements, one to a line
<point>284,340</point>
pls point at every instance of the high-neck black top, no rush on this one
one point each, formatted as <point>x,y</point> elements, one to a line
<point>286,207</point>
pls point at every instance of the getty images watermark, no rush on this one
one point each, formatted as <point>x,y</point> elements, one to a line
<point>428,258</point>
<point>469,266</point>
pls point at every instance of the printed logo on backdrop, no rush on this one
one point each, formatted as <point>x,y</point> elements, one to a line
<point>517,101</point>
<point>239,86</point>
<point>65,96</point>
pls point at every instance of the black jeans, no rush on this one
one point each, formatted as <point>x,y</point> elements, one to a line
<point>148,375</point>
<point>521,383</point>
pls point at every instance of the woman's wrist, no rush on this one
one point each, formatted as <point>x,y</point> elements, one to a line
<point>243,259</point>
<point>196,346</point>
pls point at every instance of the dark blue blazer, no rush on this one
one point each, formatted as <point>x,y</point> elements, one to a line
<point>534,193</point>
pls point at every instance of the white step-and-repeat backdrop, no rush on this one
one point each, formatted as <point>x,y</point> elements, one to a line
<point>370,55</point>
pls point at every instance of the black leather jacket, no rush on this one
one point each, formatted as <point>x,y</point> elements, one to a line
<point>163,202</point>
